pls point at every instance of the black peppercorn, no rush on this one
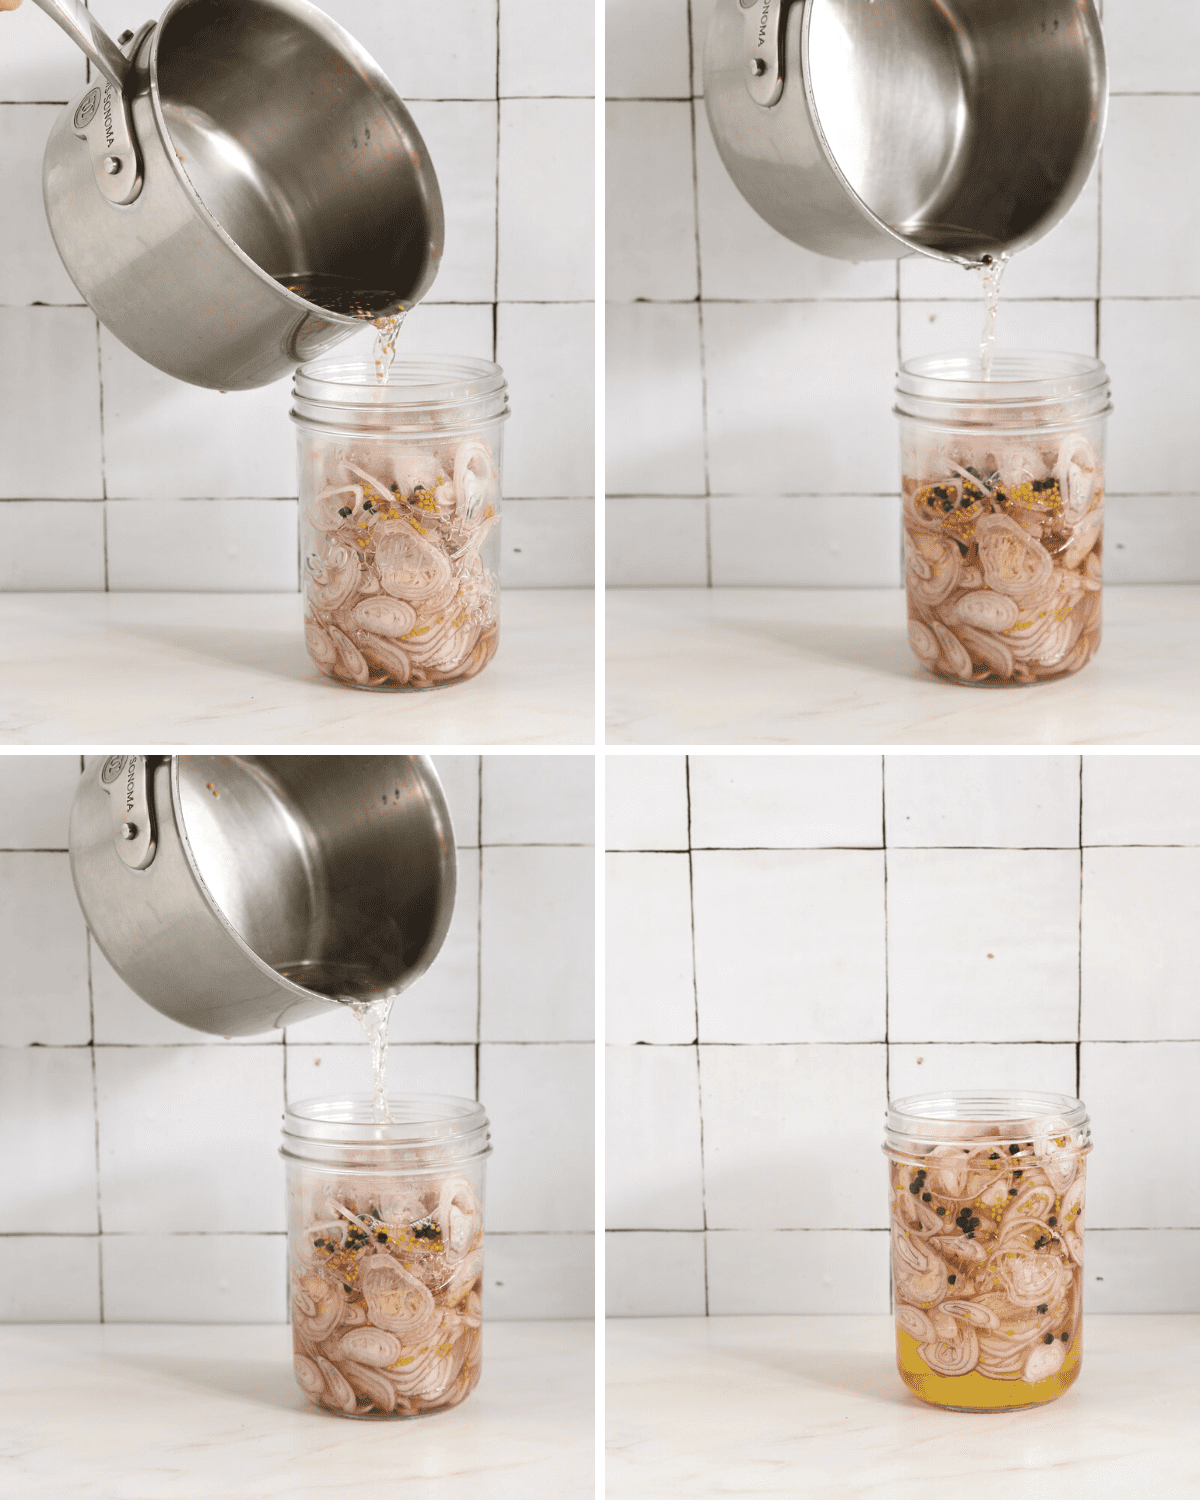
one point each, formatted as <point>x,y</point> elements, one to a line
<point>1043,1307</point>
<point>1052,1221</point>
<point>1012,1150</point>
<point>951,1279</point>
<point>926,1197</point>
<point>1049,1339</point>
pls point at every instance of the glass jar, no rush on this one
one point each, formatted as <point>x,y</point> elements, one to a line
<point>986,1199</point>
<point>385,1251</point>
<point>1003,492</point>
<point>400,518</point>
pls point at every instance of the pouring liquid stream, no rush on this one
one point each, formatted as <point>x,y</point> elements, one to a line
<point>338,294</point>
<point>373,1017</point>
<point>990,272</point>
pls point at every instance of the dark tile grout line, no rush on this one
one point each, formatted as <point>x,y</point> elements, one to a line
<point>479,894</point>
<point>687,786</point>
<point>495,260</point>
<point>1091,1041</point>
<point>702,347</point>
<point>856,848</point>
<point>87,944</point>
<point>103,454</point>
<point>1079,945</point>
<point>1099,245</point>
<point>887,1055</point>
<point>882,300</point>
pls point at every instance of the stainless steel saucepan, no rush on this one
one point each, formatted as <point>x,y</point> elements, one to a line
<point>233,147</point>
<point>868,129</point>
<point>240,893</point>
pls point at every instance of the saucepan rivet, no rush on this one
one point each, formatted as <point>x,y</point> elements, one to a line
<point>128,831</point>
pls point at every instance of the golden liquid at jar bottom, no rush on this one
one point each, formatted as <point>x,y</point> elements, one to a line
<point>976,1392</point>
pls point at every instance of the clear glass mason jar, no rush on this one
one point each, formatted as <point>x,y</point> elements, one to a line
<point>400,518</point>
<point>1003,493</point>
<point>986,1199</point>
<point>385,1251</point>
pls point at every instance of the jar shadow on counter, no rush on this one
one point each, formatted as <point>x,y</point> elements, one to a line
<point>265,1382</point>
<point>275,652</point>
<point>861,1373</point>
<point>877,648</point>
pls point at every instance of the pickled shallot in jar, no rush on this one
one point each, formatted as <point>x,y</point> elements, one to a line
<point>400,492</point>
<point>1003,495</point>
<point>385,1251</point>
<point>986,1196</point>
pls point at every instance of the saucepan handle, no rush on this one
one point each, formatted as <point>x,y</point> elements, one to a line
<point>81,26</point>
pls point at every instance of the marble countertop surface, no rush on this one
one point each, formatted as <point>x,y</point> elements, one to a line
<point>146,1412</point>
<point>833,667</point>
<point>231,669</point>
<point>813,1407</point>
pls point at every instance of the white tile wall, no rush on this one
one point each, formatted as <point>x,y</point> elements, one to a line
<point>790,944</point>
<point>529,67</point>
<point>654,1275</point>
<point>648,918</point>
<point>142,1163</point>
<point>44,940</point>
<point>655,1175</point>
<point>646,806</point>
<point>194,1278</point>
<point>505,107</point>
<point>744,1167</point>
<point>809,1271</point>
<point>757,407</point>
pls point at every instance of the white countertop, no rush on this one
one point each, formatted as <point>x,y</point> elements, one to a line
<point>833,667</point>
<point>813,1407</point>
<point>231,669</point>
<point>144,1412</point>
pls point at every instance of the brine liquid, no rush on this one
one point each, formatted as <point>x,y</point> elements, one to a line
<point>990,275</point>
<point>387,330</point>
<point>373,1017</point>
<point>340,294</point>
<point>976,1392</point>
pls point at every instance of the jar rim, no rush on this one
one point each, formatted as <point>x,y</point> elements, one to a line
<point>349,1119</point>
<point>1022,377</point>
<point>984,1116</point>
<point>417,382</point>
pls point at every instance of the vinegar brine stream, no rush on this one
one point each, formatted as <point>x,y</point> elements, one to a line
<point>373,1017</point>
<point>990,272</point>
<point>338,294</point>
